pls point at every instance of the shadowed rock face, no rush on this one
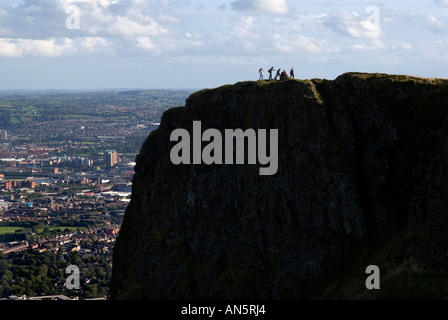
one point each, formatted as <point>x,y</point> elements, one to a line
<point>362,179</point>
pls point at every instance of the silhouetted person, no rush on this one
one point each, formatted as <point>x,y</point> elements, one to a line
<point>278,73</point>
<point>291,73</point>
<point>270,73</point>
<point>284,75</point>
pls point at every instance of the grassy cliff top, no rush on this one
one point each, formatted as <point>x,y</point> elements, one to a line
<point>273,85</point>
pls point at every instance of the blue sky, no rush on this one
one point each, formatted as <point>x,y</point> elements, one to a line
<point>194,44</point>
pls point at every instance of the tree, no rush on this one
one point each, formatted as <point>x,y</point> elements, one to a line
<point>100,273</point>
<point>42,270</point>
<point>92,291</point>
<point>7,277</point>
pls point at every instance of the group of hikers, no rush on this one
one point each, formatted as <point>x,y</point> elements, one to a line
<point>280,74</point>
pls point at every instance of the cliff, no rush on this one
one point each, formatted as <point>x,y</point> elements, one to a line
<point>362,179</point>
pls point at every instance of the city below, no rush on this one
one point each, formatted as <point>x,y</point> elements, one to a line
<point>65,183</point>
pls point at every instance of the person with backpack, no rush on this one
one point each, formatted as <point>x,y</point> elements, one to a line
<point>270,73</point>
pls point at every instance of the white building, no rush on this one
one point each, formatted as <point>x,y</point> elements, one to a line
<point>4,205</point>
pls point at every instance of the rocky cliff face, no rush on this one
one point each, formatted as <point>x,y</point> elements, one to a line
<point>362,179</point>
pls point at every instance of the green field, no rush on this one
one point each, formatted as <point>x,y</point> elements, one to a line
<point>4,230</point>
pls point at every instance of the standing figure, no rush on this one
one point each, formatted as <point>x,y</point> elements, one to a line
<point>291,73</point>
<point>270,73</point>
<point>261,74</point>
<point>278,73</point>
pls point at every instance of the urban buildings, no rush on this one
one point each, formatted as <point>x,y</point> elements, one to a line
<point>111,158</point>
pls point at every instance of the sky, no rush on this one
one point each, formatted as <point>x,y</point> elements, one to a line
<point>195,44</point>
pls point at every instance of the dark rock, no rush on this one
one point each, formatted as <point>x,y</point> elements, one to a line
<point>362,179</point>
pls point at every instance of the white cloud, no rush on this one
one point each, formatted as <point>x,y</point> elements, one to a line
<point>112,18</point>
<point>434,23</point>
<point>167,19</point>
<point>402,46</point>
<point>29,47</point>
<point>125,26</point>
<point>193,40</point>
<point>146,44</point>
<point>294,43</point>
<point>373,45</point>
<point>216,60</point>
<point>53,47</point>
<point>350,23</point>
<point>301,22</point>
<point>94,44</point>
<point>414,22</point>
<point>96,4</point>
<point>262,6</point>
<point>40,29</point>
<point>242,29</point>
<point>442,2</point>
<point>8,48</point>
<point>200,33</point>
<point>435,50</point>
